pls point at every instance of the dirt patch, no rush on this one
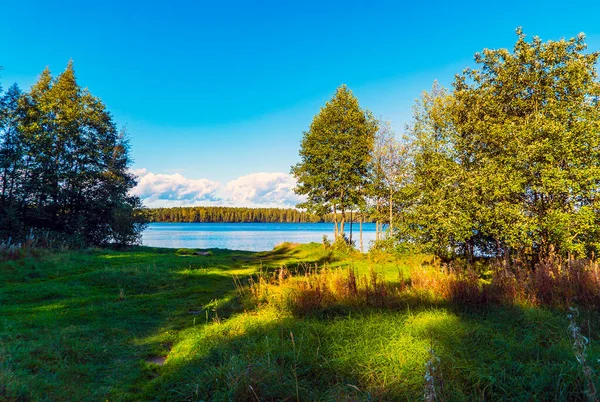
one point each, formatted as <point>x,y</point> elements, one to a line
<point>160,360</point>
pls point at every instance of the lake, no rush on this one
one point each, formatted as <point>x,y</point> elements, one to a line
<point>245,236</point>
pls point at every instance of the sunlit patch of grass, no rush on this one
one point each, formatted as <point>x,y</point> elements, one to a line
<point>377,355</point>
<point>66,334</point>
<point>209,271</point>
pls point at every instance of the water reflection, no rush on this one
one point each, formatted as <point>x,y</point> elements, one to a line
<point>244,236</point>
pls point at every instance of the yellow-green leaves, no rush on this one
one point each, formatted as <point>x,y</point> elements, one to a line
<point>335,154</point>
<point>510,159</point>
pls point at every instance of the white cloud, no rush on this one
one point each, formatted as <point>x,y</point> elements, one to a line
<point>264,189</point>
<point>157,190</point>
<point>253,190</point>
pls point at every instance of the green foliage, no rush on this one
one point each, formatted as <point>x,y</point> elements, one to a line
<point>390,245</point>
<point>326,242</point>
<point>128,221</point>
<point>509,161</point>
<point>389,173</point>
<point>440,211</point>
<point>64,165</point>
<point>335,154</point>
<point>241,214</point>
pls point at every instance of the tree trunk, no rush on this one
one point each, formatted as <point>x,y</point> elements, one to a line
<point>361,237</point>
<point>4,185</point>
<point>470,248</point>
<point>351,221</point>
<point>498,249</point>
<point>377,222</point>
<point>335,227</point>
<point>391,213</point>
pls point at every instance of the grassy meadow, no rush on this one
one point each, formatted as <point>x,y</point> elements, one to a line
<point>297,323</point>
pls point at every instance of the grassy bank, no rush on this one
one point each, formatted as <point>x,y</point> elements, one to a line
<point>99,324</point>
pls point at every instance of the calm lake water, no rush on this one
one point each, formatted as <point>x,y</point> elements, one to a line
<point>244,236</point>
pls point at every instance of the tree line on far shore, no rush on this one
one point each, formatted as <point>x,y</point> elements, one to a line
<point>238,215</point>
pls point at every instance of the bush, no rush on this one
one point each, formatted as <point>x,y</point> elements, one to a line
<point>127,224</point>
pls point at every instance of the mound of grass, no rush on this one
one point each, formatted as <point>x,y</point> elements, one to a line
<point>192,252</point>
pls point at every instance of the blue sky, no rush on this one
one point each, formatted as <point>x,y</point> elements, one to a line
<point>215,95</point>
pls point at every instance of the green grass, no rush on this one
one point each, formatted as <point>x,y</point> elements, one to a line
<point>84,325</point>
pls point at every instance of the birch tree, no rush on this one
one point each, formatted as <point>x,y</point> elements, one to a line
<point>390,171</point>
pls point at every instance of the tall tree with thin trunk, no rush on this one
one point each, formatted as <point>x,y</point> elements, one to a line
<point>335,154</point>
<point>390,171</point>
<point>11,159</point>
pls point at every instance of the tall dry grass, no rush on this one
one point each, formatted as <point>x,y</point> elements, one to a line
<point>32,245</point>
<point>311,288</point>
<point>553,282</point>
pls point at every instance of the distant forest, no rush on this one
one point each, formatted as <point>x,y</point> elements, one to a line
<point>238,215</point>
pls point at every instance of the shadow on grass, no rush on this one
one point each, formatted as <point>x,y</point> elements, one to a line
<point>82,329</point>
<point>499,353</point>
<point>85,326</point>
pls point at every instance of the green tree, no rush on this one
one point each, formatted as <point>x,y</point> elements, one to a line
<point>389,174</point>
<point>440,216</point>
<point>335,154</point>
<point>530,119</point>
<point>509,161</point>
<point>68,170</point>
<point>11,160</point>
